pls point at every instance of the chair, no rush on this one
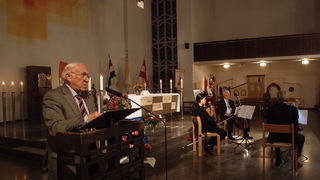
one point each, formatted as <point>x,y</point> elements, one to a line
<point>277,128</point>
<point>199,135</point>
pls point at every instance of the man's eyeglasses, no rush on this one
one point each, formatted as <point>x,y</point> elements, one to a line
<point>82,75</point>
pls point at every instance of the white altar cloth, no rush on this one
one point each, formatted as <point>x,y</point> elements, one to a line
<point>146,100</point>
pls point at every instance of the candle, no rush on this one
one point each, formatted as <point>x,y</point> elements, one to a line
<point>170,83</point>
<point>12,84</point>
<point>160,83</point>
<point>89,84</point>
<point>145,85</point>
<point>21,87</point>
<point>181,83</point>
<point>101,83</point>
<point>3,86</point>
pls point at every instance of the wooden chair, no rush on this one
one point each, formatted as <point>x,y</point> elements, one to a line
<point>199,135</point>
<point>277,128</point>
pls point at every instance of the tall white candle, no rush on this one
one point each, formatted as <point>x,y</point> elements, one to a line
<point>3,86</point>
<point>101,83</point>
<point>160,83</point>
<point>181,83</point>
<point>89,84</point>
<point>170,83</point>
<point>21,86</point>
<point>12,88</point>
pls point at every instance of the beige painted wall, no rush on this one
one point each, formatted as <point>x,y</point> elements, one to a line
<point>233,19</point>
<point>285,71</point>
<point>102,32</point>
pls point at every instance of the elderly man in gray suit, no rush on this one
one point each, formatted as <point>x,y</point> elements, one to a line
<point>67,107</point>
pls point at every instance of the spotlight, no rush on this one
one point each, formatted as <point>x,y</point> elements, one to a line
<point>305,61</point>
<point>263,64</point>
<point>226,66</point>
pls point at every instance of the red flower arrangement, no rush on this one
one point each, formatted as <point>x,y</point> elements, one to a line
<point>138,87</point>
<point>151,120</point>
<point>116,103</point>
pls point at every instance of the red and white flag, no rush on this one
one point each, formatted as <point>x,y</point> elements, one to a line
<point>143,72</point>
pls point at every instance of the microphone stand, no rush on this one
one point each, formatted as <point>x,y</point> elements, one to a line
<point>165,133</point>
<point>164,123</point>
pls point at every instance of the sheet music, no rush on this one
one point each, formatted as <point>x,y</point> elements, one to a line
<point>303,116</point>
<point>246,111</point>
<point>236,112</point>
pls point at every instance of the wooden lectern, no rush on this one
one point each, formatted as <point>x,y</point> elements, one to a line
<point>97,154</point>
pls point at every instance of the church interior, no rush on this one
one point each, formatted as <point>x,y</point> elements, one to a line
<point>253,48</point>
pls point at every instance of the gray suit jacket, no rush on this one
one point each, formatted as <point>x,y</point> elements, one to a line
<point>61,112</point>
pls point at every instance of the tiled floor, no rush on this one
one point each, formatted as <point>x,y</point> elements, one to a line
<point>234,162</point>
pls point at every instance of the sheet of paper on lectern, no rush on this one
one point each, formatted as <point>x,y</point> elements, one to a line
<point>303,116</point>
<point>246,111</point>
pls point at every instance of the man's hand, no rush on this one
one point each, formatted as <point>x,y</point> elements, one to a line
<point>93,115</point>
<point>227,114</point>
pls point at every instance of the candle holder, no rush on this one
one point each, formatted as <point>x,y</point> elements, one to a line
<point>181,100</point>
<point>4,107</point>
<point>161,90</point>
<point>13,106</point>
<point>22,106</point>
<point>101,101</point>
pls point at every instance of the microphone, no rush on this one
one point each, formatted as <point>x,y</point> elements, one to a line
<point>119,94</point>
<point>114,92</point>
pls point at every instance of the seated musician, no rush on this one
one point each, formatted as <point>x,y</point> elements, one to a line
<point>226,108</point>
<point>281,113</point>
<point>208,123</point>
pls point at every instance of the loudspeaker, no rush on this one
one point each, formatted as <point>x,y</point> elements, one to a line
<point>186,45</point>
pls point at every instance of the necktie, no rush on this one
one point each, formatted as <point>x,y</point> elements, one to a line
<point>83,110</point>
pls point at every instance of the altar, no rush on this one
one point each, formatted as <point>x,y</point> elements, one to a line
<point>159,103</point>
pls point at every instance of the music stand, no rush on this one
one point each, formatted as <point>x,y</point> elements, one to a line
<point>245,112</point>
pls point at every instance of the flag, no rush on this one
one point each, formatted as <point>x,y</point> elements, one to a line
<point>62,65</point>
<point>126,73</point>
<point>143,72</point>
<point>112,73</point>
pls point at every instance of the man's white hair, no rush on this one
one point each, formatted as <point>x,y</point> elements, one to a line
<point>225,91</point>
<point>68,69</point>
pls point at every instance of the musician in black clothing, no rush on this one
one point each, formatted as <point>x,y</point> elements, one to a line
<point>281,113</point>
<point>208,123</point>
<point>226,108</point>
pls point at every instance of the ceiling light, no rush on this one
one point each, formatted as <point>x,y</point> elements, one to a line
<point>263,64</point>
<point>140,4</point>
<point>305,61</point>
<point>226,66</point>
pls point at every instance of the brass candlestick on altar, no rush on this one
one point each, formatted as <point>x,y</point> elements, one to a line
<point>181,101</point>
<point>4,107</point>
<point>101,100</point>
<point>21,102</point>
<point>22,106</point>
<point>13,102</point>
<point>13,105</point>
<point>4,103</point>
